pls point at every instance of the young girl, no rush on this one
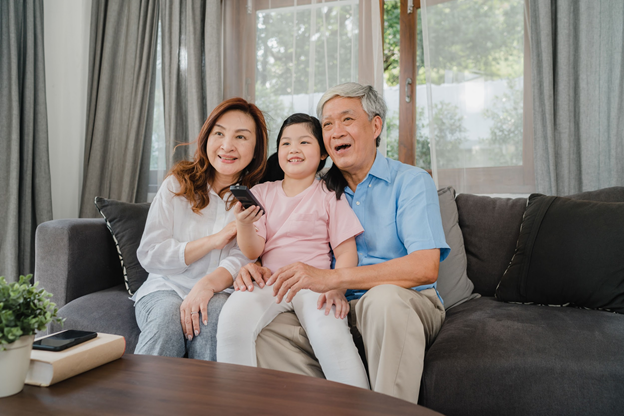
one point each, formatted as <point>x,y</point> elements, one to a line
<point>303,222</point>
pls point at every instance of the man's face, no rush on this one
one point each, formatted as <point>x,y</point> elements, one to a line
<point>349,135</point>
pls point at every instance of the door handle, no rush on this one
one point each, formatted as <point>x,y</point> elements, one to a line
<point>408,90</point>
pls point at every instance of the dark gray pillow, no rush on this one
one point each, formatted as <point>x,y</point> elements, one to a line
<point>453,283</point>
<point>569,252</point>
<point>490,227</point>
<point>126,222</point>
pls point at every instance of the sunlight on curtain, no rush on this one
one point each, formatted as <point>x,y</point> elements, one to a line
<point>158,159</point>
<point>304,49</point>
<point>473,107</point>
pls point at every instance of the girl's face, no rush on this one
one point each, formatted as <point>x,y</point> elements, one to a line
<point>231,144</point>
<point>299,153</point>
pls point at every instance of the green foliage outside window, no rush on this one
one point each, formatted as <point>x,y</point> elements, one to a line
<point>449,130</point>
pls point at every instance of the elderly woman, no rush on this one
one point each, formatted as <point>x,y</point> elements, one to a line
<point>188,246</point>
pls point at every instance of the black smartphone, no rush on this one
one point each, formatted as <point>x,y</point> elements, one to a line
<point>244,195</point>
<point>63,340</point>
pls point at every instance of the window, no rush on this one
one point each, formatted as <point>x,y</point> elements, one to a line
<point>290,52</point>
<point>474,96</point>
<point>300,53</point>
<point>458,87</point>
<point>475,101</point>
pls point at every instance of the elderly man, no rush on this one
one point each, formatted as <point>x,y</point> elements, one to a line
<point>394,302</point>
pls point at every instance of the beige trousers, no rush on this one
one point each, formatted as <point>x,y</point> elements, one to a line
<point>397,325</point>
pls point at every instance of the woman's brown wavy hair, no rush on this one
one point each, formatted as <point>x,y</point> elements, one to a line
<point>195,176</point>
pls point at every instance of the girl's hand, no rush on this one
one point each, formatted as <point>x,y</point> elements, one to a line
<point>196,303</point>
<point>334,297</point>
<point>220,239</point>
<point>247,216</point>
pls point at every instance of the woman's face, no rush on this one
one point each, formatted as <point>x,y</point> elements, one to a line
<point>299,153</point>
<point>231,144</point>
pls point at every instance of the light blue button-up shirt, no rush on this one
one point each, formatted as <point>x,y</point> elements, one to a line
<point>397,204</point>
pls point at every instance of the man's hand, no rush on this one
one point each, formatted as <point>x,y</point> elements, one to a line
<point>334,297</point>
<point>249,273</point>
<point>196,302</point>
<point>294,277</point>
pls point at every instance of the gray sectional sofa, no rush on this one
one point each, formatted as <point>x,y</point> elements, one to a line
<point>490,358</point>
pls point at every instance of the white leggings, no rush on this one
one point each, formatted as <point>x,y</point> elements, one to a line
<point>245,314</point>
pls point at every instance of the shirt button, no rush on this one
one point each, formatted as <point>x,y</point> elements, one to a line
<point>357,203</point>
<point>370,184</point>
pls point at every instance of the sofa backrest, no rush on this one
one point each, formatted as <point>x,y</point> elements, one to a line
<point>613,194</point>
<point>490,227</point>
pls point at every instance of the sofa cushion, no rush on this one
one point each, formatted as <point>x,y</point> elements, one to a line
<point>453,283</point>
<point>108,311</point>
<point>490,227</point>
<point>126,222</point>
<point>496,358</point>
<point>568,252</point>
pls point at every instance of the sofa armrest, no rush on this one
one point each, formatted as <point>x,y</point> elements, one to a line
<point>75,257</point>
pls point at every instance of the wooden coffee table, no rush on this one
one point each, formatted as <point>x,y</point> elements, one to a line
<point>145,385</point>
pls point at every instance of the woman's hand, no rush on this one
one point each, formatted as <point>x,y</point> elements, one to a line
<point>334,297</point>
<point>247,217</point>
<point>249,273</point>
<point>220,239</point>
<point>197,249</point>
<point>196,302</point>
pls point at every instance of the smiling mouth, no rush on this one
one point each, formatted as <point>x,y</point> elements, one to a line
<point>295,160</point>
<point>227,158</point>
<point>341,147</point>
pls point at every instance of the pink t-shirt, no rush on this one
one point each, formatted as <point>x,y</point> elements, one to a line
<point>302,227</point>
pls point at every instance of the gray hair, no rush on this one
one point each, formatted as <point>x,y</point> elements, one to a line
<point>372,102</point>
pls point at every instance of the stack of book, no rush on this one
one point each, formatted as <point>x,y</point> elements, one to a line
<point>49,367</point>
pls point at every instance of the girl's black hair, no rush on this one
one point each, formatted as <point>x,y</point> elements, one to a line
<point>334,181</point>
<point>273,170</point>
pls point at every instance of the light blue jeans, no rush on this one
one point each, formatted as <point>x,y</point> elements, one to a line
<point>158,317</point>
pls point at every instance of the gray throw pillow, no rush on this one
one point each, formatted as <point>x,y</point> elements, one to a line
<point>126,222</point>
<point>453,283</point>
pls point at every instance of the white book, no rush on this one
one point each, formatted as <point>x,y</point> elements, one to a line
<point>49,367</point>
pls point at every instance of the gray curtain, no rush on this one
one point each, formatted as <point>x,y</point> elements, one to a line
<point>26,193</point>
<point>577,50</point>
<point>120,101</point>
<point>191,68</point>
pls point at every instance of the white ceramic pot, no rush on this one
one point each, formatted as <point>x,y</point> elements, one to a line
<point>14,362</point>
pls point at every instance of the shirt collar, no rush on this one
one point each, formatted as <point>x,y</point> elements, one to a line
<point>212,191</point>
<point>380,170</point>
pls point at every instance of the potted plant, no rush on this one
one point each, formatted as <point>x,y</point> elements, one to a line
<point>24,309</point>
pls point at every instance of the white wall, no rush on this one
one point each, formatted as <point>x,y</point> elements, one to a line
<point>66,40</point>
